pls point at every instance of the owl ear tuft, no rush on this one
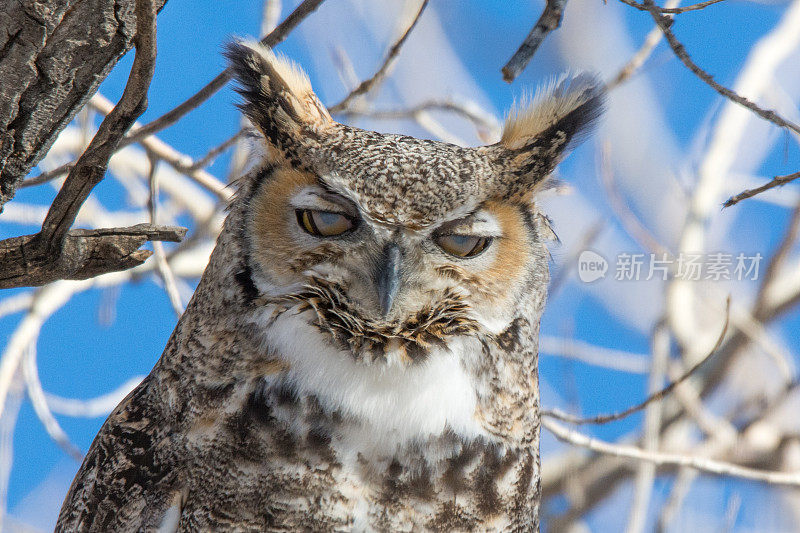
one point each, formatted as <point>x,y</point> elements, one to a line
<point>277,95</point>
<point>564,107</point>
<point>538,132</point>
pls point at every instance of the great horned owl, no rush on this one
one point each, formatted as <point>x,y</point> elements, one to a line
<point>361,352</point>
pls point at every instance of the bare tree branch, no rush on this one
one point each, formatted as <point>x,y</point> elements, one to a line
<point>604,419</point>
<point>54,56</point>
<point>55,252</point>
<point>171,117</point>
<point>777,181</point>
<point>638,59</point>
<point>34,387</point>
<point>50,175</point>
<point>549,20</point>
<point>215,152</point>
<point>371,82</point>
<point>169,155</point>
<point>83,254</point>
<point>680,489</point>
<point>646,472</point>
<point>93,407</point>
<point>167,276</point>
<point>777,261</point>
<point>90,168</point>
<point>270,15</point>
<point>665,23</point>
<point>584,352</point>
<point>47,301</point>
<point>11,402</point>
<point>484,122</point>
<point>672,10</point>
<point>711,466</point>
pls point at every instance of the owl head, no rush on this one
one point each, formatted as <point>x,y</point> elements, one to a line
<point>394,245</point>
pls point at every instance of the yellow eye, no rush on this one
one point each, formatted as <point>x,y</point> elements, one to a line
<point>324,223</point>
<point>463,245</point>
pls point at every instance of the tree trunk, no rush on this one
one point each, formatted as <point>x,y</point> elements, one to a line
<point>53,56</point>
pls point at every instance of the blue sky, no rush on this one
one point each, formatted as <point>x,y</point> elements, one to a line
<point>80,357</point>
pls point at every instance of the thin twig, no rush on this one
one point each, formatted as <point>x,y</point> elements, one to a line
<point>488,127</point>
<point>672,10</point>
<point>8,422</point>
<point>665,22</point>
<point>16,303</point>
<point>212,154</point>
<point>169,155</point>
<point>171,117</point>
<point>709,423</point>
<point>680,489</point>
<point>745,322</point>
<point>732,512</point>
<point>711,466</point>
<point>638,59</point>
<point>427,122</point>
<point>549,20</point>
<point>167,276</point>
<point>50,175</point>
<point>777,181</point>
<point>47,301</point>
<point>633,226</point>
<point>368,84</point>
<point>344,67</point>
<point>270,15</point>
<point>791,234</point>
<point>604,419</point>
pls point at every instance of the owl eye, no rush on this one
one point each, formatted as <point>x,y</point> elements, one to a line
<point>324,223</point>
<point>463,245</point>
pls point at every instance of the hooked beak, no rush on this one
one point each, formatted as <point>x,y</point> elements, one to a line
<point>387,277</point>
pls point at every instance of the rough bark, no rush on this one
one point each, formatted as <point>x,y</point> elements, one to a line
<point>85,254</point>
<point>53,56</point>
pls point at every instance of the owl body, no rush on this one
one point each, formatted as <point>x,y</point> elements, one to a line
<point>360,354</point>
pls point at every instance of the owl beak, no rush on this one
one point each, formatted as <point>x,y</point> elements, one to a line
<point>388,277</point>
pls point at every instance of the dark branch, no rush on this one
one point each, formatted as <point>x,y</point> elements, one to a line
<point>276,36</point>
<point>50,175</point>
<point>84,254</point>
<point>367,85</point>
<point>54,56</point>
<point>548,21</point>
<point>91,166</point>
<point>212,154</point>
<point>777,181</point>
<point>680,52</point>
<point>26,260</point>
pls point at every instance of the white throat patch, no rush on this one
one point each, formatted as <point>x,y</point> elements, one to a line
<point>395,403</point>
